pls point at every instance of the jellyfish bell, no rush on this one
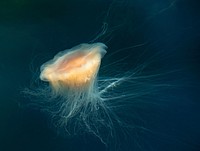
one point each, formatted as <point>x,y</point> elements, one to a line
<point>75,69</point>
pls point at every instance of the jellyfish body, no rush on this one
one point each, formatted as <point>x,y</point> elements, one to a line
<point>73,95</point>
<point>78,101</point>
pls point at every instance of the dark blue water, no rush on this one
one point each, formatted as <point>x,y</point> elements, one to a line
<point>163,34</point>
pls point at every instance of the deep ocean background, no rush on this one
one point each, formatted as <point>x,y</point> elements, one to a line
<point>165,33</point>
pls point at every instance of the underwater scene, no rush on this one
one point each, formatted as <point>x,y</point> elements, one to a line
<point>99,75</point>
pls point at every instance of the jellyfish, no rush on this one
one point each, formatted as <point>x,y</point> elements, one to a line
<point>77,100</point>
<point>72,75</point>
